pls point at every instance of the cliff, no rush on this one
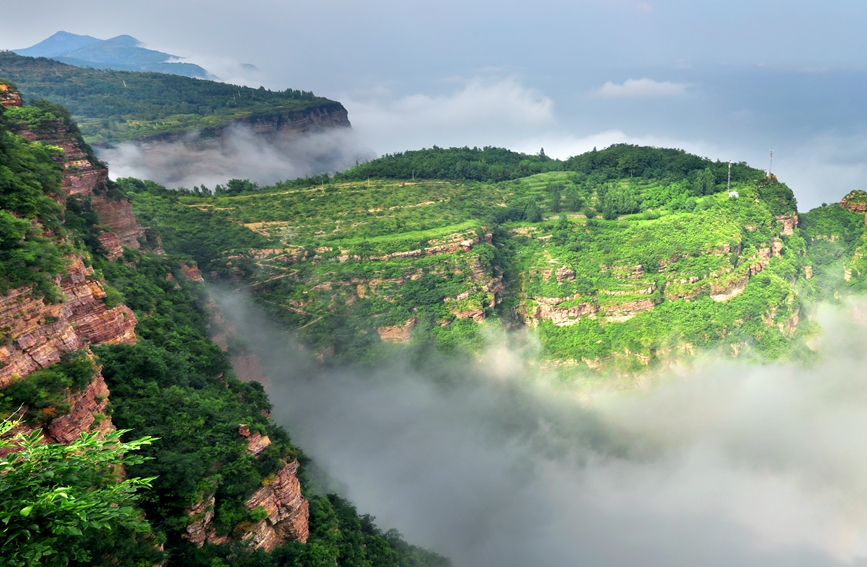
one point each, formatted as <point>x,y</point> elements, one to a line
<point>272,125</point>
<point>85,176</point>
<point>37,330</point>
<point>36,334</point>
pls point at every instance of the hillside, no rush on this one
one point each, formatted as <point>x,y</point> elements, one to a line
<point>115,106</point>
<point>616,259</point>
<point>103,334</point>
<point>122,53</point>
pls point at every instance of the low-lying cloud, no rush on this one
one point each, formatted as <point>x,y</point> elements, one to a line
<point>640,88</point>
<point>482,112</point>
<point>498,464</point>
<point>240,153</point>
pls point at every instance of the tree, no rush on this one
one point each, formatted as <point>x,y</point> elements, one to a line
<point>554,189</point>
<point>704,182</point>
<point>573,201</point>
<point>532,212</point>
<point>59,502</point>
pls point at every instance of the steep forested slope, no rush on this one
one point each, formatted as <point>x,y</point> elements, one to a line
<point>102,329</point>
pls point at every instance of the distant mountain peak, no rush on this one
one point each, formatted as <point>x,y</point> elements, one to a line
<point>58,44</point>
<point>122,52</point>
<point>125,40</point>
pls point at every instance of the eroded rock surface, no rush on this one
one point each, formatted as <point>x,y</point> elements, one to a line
<point>36,334</point>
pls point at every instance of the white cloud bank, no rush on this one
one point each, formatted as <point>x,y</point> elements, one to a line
<point>482,112</point>
<point>640,88</point>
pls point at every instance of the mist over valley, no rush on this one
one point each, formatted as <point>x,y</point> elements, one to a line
<point>406,286</point>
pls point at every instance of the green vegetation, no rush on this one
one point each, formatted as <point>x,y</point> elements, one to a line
<point>176,385</point>
<point>113,106</point>
<point>69,504</point>
<point>619,258</point>
<point>66,505</point>
<point>29,179</point>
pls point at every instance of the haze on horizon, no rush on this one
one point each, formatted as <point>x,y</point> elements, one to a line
<point>726,80</point>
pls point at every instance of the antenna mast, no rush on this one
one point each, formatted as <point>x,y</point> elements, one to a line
<point>771,162</point>
<point>729,185</point>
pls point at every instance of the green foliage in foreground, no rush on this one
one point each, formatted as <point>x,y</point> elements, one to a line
<point>112,106</point>
<point>67,505</point>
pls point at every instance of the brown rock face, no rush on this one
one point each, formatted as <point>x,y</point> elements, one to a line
<point>287,509</point>
<point>855,201</point>
<point>38,334</point>
<point>9,97</point>
<point>733,289</point>
<point>117,216</point>
<point>82,415</point>
<point>82,177</point>
<point>86,414</point>
<point>192,273</point>
<point>256,442</point>
<point>398,333</point>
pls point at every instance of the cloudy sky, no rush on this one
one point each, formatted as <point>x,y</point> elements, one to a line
<point>728,80</point>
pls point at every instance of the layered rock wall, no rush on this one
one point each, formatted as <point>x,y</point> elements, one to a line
<point>36,334</point>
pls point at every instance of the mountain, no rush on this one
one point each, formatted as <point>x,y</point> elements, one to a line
<point>58,44</point>
<point>100,331</point>
<point>114,106</point>
<point>616,260</point>
<point>123,53</point>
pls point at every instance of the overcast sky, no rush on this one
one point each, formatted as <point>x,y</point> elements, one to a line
<point>728,80</point>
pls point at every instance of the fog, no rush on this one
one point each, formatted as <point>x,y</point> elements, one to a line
<point>239,153</point>
<point>496,463</point>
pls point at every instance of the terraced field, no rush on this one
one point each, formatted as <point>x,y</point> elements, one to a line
<point>360,267</point>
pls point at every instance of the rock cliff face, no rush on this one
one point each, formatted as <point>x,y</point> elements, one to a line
<point>37,334</point>
<point>295,123</point>
<point>9,97</point>
<point>287,510</point>
<point>87,177</point>
<point>287,519</point>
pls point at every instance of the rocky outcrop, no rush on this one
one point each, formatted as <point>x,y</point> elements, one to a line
<point>732,289</point>
<point>789,223</point>
<point>88,410</point>
<point>287,515</point>
<point>397,333</point>
<point>192,273</point>
<point>256,442</point>
<point>9,96</point>
<point>87,177</point>
<point>627,310</point>
<point>87,413</point>
<point>277,126</point>
<point>855,201</point>
<point>549,308</point>
<point>36,334</point>
<point>115,214</point>
<point>200,520</point>
<point>287,509</point>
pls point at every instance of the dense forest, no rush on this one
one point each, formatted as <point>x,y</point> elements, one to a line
<point>112,106</point>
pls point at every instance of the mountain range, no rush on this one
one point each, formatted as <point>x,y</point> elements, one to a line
<point>123,53</point>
